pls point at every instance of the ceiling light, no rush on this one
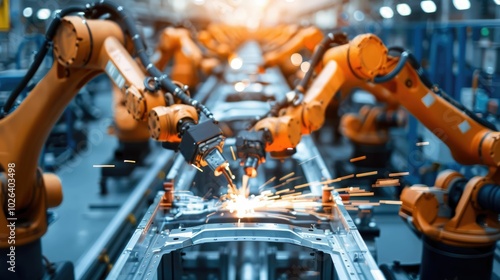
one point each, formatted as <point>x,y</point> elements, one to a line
<point>386,12</point>
<point>403,9</point>
<point>27,12</point>
<point>43,14</point>
<point>428,6</point>
<point>461,4</point>
<point>497,2</point>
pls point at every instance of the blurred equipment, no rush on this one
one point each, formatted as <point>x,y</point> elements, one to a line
<point>177,47</point>
<point>369,133</point>
<point>4,15</point>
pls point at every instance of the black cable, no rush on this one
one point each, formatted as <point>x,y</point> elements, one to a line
<point>140,49</point>
<point>415,64</point>
<point>403,58</point>
<point>49,35</point>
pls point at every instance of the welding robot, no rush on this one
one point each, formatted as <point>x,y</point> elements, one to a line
<point>458,217</point>
<point>175,46</point>
<point>368,129</point>
<point>85,45</point>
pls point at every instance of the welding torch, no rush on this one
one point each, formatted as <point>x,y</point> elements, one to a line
<point>250,147</point>
<point>202,144</point>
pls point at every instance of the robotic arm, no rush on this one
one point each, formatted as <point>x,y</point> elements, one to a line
<point>364,62</point>
<point>456,212</point>
<point>84,48</point>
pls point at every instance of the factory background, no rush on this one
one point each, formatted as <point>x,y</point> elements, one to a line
<point>240,58</point>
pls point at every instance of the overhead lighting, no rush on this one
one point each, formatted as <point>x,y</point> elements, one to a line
<point>497,2</point>
<point>461,4</point>
<point>27,12</point>
<point>428,6</point>
<point>386,12</point>
<point>404,9</point>
<point>43,14</point>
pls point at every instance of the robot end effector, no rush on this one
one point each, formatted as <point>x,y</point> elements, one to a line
<point>250,147</point>
<point>201,145</point>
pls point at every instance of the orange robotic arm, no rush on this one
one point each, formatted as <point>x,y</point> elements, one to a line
<point>84,48</point>
<point>365,60</point>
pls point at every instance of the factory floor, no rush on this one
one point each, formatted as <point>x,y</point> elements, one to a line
<point>84,213</point>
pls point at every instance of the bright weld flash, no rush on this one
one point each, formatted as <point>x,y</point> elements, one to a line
<point>242,206</point>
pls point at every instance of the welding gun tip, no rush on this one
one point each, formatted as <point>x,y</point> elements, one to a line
<point>250,167</point>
